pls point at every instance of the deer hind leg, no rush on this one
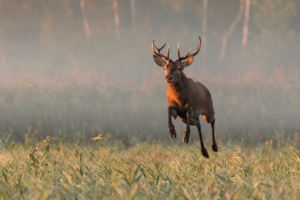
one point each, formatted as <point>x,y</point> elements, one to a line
<point>171,112</point>
<point>186,133</point>
<point>214,145</point>
<point>203,149</point>
<point>211,120</point>
<point>194,119</point>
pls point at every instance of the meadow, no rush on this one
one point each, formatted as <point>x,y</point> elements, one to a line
<point>86,138</point>
<point>47,170</point>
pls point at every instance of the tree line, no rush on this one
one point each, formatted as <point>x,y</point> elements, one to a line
<point>47,36</point>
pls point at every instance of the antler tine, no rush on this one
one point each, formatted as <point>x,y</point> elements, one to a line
<point>168,53</point>
<point>157,49</point>
<point>198,48</point>
<point>188,54</point>
<point>184,57</point>
<point>178,51</point>
<point>158,53</point>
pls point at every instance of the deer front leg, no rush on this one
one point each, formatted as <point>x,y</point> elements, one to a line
<point>171,127</point>
<point>186,134</point>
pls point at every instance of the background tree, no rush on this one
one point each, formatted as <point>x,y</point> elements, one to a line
<point>55,36</point>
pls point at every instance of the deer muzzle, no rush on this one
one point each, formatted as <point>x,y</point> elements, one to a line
<point>169,78</point>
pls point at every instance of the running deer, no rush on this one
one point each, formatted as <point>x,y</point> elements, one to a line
<point>186,98</point>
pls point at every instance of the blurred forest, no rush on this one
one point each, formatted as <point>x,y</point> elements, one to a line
<point>112,38</point>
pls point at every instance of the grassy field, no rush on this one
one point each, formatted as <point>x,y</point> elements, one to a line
<point>55,170</point>
<point>47,151</point>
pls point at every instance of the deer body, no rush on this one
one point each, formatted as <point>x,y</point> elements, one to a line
<point>186,98</point>
<point>189,94</point>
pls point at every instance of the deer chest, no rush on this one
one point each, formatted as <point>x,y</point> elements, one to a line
<point>177,102</point>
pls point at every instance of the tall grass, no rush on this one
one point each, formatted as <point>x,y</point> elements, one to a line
<point>50,169</point>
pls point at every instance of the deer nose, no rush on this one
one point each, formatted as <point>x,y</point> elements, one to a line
<point>169,77</point>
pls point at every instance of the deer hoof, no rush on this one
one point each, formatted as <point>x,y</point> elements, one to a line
<point>214,147</point>
<point>204,153</point>
<point>172,132</point>
<point>186,135</point>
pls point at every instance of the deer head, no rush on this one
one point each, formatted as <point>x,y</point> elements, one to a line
<point>173,69</point>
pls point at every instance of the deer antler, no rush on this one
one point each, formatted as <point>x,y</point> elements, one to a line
<point>157,52</point>
<point>188,54</point>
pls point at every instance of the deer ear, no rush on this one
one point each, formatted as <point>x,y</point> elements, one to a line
<point>188,61</point>
<point>159,61</point>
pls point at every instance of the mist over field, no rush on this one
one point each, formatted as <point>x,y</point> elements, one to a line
<point>75,69</point>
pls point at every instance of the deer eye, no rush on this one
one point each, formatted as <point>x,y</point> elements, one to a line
<point>179,68</point>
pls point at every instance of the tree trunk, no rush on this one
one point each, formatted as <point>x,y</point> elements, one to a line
<point>204,25</point>
<point>132,6</point>
<point>116,18</point>
<point>246,22</point>
<point>230,30</point>
<point>85,21</point>
<point>204,31</point>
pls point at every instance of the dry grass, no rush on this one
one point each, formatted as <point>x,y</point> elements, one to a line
<point>55,170</point>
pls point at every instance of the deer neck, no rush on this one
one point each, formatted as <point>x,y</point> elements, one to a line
<point>179,89</point>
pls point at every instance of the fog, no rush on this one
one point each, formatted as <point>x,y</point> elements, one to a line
<point>84,67</point>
